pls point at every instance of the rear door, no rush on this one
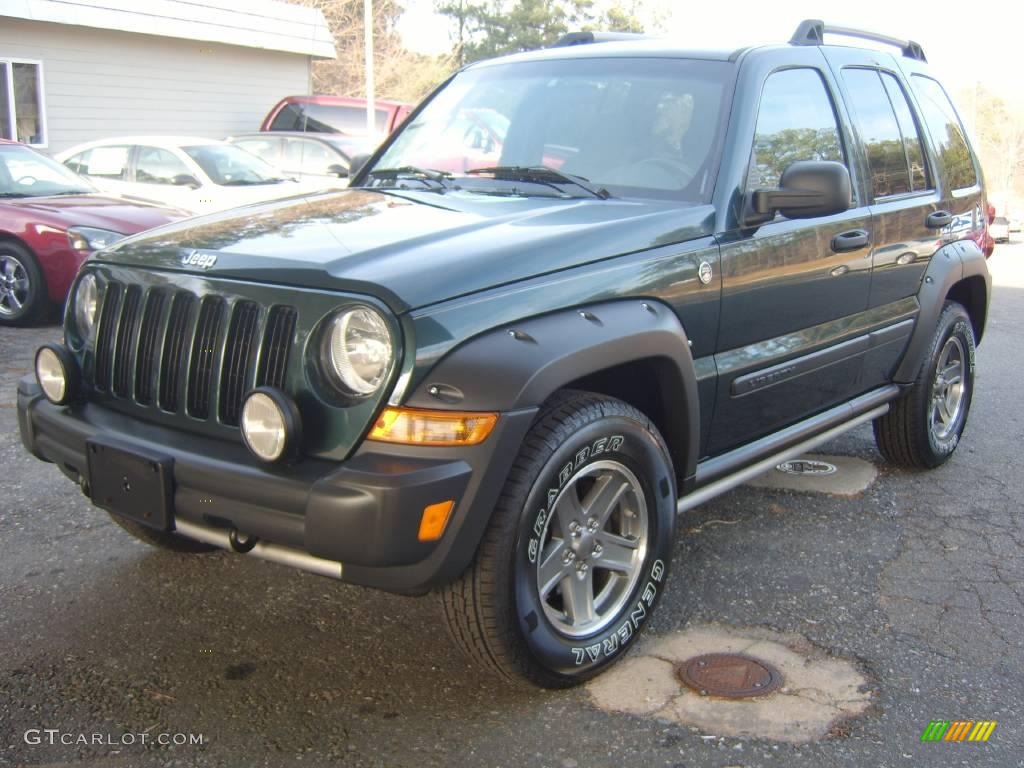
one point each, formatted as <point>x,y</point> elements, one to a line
<point>792,289</point>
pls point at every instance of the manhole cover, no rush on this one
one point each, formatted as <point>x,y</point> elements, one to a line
<point>806,467</point>
<point>729,674</point>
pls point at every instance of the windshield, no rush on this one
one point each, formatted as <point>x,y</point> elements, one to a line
<point>634,127</point>
<point>228,165</point>
<point>26,173</point>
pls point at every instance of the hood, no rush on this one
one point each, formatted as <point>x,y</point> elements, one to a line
<point>410,249</point>
<point>100,211</point>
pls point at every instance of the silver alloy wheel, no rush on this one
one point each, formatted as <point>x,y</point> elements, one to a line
<point>14,285</point>
<point>948,389</point>
<point>592,549</point>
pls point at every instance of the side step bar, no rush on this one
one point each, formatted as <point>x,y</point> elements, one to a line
<point>860,411</point>
<point>275,553</point>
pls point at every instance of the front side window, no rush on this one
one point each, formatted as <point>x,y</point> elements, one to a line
<point>796,121</point>
<point>302,156</point>
<point>879,131</point>
<point>326,118</point>
<point>634,127</point>
<point>21,102</point>
<point>946,131</point>
<point>159,166</point>
<point>231,166</point>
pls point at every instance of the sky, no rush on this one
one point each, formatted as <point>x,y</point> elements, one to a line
<point>964,42</point>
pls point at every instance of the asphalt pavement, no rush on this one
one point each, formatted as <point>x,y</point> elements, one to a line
<point>113,654</point>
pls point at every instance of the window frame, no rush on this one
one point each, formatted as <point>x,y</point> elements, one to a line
<point>8,63</point>
<point>845,139</point>
<point>931,186</point>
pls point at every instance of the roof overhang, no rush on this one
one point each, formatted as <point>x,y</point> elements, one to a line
<point>268,24</point>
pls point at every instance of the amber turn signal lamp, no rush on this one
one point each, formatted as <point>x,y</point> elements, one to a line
<point>412,426</point>
<point>435,520</point>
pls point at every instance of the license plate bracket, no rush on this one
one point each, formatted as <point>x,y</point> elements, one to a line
<point>132,482</point>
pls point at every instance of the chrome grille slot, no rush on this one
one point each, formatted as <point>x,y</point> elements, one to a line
<point>174,350</point>
<point>149,341</point>
<point>240,350</point>
<point>106,336</point>
<point>204,351</point>
<point>277,343</point>
<point>127,342</point>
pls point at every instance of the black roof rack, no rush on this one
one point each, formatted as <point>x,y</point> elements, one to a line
<point>812,32</point>
<point>583,38</point>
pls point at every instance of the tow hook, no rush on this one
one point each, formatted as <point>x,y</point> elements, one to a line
<point>242,543</point>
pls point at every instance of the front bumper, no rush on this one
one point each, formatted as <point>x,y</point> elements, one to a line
<point>362,514</point>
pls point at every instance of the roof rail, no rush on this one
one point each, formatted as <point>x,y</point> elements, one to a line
<point>583,38</point>
<point>812,32</point>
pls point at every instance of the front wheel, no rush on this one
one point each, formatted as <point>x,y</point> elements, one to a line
<point>575,558</point>
<point>923,428</point>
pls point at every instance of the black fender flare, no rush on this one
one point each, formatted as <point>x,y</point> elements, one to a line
<point>522,364</point>
<point>950,265</point>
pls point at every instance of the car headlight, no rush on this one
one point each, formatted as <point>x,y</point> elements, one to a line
<point>86,305</point>
<point>89,239</point>
<point>357,350</point>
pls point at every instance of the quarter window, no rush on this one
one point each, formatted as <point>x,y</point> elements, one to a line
<point>796,121</point>
<point>879,131</point>
<point>21,102</point>
<point>946,131</point>
<point>102,162</point>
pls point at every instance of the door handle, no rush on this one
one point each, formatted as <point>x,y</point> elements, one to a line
<point>850,241</point>
<point>938,220</point>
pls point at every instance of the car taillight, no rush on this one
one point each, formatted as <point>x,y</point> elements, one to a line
<point>991,213</point>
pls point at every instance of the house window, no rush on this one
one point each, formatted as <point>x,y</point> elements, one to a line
<point>22,116</point>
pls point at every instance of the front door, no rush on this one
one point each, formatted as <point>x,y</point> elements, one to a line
<point>792,289</point>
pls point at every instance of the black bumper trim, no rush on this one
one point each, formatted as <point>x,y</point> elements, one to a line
<point>363,512</point>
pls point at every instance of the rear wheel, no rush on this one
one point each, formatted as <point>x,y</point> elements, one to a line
<point>574,560</point>
<point>23,298</point>
<point>924,427</point>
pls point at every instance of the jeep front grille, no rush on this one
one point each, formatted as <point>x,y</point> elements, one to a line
<point>166,348</point>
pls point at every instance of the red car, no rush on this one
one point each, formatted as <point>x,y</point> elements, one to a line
<point>50,221</point>
<point>333,114</point>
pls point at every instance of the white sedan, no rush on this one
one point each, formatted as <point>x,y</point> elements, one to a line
<point>196,175</point>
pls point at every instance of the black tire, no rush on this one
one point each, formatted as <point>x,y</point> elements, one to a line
<point>915,433</point>
<point>161,539</point>
<point>580,444</point>
<point>23,296</point>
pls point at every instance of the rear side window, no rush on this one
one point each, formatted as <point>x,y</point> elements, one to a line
<point>911,134</point>
<point>796,121</point>
<point>326,118</point>
<point>880,132</point>
<point>102,162</point>
<point>946,131</point>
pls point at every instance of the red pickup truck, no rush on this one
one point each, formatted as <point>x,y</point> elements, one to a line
<point>333,114</point>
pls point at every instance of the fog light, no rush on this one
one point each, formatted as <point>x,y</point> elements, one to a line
<point>271,427</point>
<point>57,373</point>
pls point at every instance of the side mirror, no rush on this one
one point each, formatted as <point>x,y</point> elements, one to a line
<point>355,165</point>
<point>337,169</point>
<point>185,180</point>
<point>808,189</point>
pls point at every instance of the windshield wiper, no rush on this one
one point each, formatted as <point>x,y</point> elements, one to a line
<point>541,174</point>
<point>442,178</point>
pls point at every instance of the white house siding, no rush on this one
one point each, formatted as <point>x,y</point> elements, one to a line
<point>100,83</point>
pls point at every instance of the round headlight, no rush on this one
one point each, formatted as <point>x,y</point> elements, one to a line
<point>86,305</point>
<point>270,424</point>
<point>56,373</point>
<point>358,350</point>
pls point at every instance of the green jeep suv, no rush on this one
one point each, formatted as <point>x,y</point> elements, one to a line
<point>579,292</point>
